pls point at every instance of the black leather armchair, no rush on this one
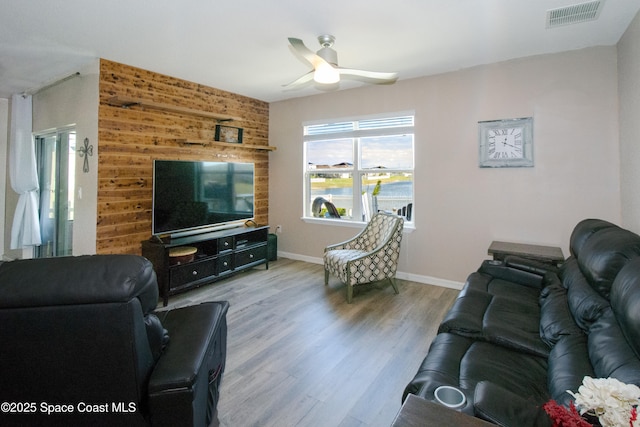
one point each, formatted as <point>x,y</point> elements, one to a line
<point>81,344</point>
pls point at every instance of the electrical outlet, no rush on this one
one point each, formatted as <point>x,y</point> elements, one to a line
<point>278,229</point>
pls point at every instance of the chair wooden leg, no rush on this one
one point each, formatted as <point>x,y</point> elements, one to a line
<point>393,283</point>
<point>349,294</point>
<point>326,277</point>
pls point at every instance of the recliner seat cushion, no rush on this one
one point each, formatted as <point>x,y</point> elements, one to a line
<point>463,362</point>
<point>484,282</point>
<point>503,321</point>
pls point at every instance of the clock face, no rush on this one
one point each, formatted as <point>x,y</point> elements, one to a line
<point>505,143</point>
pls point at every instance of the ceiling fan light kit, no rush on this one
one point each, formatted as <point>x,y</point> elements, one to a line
<point>326,74</point>
<point>325,66</point>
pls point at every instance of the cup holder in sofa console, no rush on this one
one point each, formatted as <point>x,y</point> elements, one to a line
<point>450,396</point>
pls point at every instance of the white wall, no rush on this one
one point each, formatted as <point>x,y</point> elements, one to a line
<point>73,102</point>
<point>460,208</point>
<point>629,90</point>
<point>4,147</point>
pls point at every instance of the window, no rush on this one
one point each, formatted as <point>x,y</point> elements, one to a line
<point>358,167</point>
<point>56,156</point>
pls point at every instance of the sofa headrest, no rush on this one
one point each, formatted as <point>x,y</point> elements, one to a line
<point>583,230</point>
<point>603,252</point>
<point>88,279</point>
<point>625,301</point>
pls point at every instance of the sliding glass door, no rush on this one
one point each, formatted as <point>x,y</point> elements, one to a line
<point>55,153</point>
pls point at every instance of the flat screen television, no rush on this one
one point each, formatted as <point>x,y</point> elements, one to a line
<point>192,195</point>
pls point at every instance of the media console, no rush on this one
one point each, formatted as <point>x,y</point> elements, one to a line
<point>219,254</point>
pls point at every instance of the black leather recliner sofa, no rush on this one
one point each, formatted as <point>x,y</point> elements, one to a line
<point>80,344</point>
<point>521,333</point>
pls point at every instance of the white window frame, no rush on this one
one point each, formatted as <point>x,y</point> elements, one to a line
<point>334,131</point>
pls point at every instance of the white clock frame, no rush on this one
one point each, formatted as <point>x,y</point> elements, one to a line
<point>516,150</point>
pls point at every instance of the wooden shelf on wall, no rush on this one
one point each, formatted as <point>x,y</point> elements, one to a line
<point>206,143</point>
<point>124,102</point>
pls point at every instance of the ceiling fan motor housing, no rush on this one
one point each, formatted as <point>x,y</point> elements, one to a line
<point>326,52</point>
<point>329,55</point>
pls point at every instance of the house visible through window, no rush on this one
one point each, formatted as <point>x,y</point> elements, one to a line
<point>356,168</point>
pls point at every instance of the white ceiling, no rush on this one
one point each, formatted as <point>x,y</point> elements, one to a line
<point>241,45</point>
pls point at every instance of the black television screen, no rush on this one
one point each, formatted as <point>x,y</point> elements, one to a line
<point>189,195</point>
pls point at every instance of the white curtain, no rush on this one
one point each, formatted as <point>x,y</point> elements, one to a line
<point>23,174</point>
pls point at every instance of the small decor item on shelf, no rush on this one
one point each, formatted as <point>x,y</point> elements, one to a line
<point>607,400</point>
<point>228,134</point>
<point>182,255</point>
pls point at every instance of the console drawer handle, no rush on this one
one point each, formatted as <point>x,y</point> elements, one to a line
<point>251,256</point>
<point>225,263</point>
<point>194,272</point>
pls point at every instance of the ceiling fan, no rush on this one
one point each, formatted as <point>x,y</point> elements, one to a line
<point>325,66</point>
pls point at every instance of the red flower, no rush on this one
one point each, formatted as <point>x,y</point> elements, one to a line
<point>563,417</point>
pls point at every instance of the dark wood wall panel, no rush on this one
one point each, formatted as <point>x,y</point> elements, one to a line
<point>131,138</point>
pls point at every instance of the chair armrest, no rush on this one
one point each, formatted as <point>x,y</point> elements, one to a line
<point>178,385</point>
<point>340,245</point>
<point>347,244</point>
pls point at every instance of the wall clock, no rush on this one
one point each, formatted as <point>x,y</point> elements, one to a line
<point>506,143</point>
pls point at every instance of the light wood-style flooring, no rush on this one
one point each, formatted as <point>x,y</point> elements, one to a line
<point>299,355</point>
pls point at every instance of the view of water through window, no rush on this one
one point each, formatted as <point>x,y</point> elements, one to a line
<point>365,168</point>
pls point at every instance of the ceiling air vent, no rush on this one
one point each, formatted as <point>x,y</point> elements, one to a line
<point>574,14</point>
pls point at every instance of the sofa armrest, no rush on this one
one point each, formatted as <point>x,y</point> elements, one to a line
<point>531,265</point>
<point>184,383</point>
<point>500,270</point>
<point>489,404</point>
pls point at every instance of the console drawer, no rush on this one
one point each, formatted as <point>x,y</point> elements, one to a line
<point>225,244</point>
<point>194,271</point>
<point>224,264</point>
<point>250,255</point>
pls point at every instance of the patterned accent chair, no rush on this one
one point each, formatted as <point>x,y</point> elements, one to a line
<point>370,256</point>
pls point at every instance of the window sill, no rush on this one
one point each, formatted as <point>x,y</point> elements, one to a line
<point>409,227</point>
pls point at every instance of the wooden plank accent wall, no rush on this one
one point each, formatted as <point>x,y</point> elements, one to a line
<point>129,139</point>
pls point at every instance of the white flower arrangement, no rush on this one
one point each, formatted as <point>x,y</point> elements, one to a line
<point>613,402</point>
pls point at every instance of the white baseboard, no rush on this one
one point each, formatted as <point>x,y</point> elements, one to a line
<point>428,280</point>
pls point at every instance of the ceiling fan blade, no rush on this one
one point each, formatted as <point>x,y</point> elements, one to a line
<point>305,78</point>
<point>306,53</point>
<point>374,77</point>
